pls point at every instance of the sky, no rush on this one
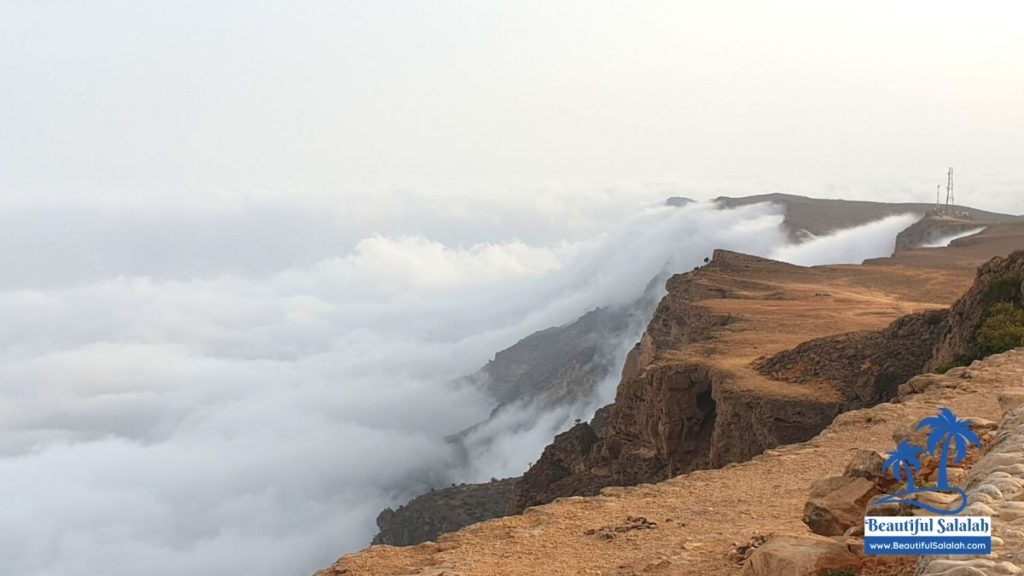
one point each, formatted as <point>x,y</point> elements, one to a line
<point>341,100</point>
<point>245,247</point>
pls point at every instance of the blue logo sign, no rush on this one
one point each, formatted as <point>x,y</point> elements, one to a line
<point>946,433</point>
<point>951,438</point>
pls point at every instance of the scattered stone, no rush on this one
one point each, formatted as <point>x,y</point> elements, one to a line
<point>865,464</point>
<point>835,504</point>
<point>799,556</point>
<point>909,432</point>
<point>741,552</point>
<point>610,532</point>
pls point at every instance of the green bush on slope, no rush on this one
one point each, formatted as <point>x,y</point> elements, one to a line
<point>1002,329</point>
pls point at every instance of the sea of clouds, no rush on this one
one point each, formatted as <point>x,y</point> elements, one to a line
<point>240,387</point>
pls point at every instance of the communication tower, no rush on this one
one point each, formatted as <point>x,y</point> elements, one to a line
<point>949,188</point>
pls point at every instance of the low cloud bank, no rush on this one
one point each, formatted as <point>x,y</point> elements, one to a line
<point>947,240</point>
<point>255,420</point>
<point>849,246</point>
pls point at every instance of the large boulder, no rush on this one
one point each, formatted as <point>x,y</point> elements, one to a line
<point>799,556</point>
<point>835,504</point>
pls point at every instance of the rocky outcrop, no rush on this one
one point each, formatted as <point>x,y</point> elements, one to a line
<point>439,511</point>
<point>867,367</point>
<point>677,411</point>
<point>999,280</point>
<point>933,229</point>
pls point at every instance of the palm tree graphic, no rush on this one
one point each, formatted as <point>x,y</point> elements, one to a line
<point>904,462</point>
<point>948,432</point>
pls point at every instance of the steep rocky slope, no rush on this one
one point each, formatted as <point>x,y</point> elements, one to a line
<point>559,364</point>
<point>1000,280</point>
<point>554,367</point>
<point>445,510</point>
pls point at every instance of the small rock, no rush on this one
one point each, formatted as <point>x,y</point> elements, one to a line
<point>874,508</point>
<point>865,464</point>
<point>938,500</point>
<point>911,434</point>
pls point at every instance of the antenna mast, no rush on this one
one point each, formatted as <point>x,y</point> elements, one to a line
<point>949,188</point>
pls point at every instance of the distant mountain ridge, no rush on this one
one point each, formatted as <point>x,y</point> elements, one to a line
<point>820,216</point>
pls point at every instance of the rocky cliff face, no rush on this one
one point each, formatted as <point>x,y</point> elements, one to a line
<point>559,364</point>
<point>677,409</point>
<point>440,511</point>
<point>999,280</point>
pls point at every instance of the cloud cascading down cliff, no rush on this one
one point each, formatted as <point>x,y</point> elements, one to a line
<point>194,406</point>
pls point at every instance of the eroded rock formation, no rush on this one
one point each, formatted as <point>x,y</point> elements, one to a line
<point>867,366</point>
<point>680,408</point>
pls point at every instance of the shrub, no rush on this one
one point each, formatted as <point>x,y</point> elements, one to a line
<point>840,572</point>
<point>1002,329</point>
<point>1003,289</point>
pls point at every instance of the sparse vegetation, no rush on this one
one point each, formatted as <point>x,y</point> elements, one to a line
<point>1002,325</point>
<point>1002,290</point>
<point>840,572</point>
<point>1002,329</point>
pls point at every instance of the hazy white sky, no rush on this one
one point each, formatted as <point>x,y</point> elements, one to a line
<point>120,98</point>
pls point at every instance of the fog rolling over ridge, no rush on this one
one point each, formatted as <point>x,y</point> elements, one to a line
<point>255,421</point>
